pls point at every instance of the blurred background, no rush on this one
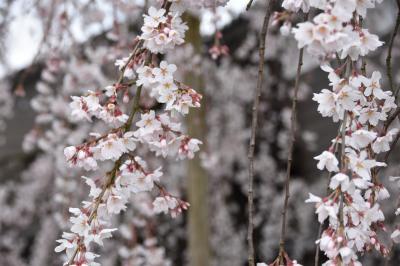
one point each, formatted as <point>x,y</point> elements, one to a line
<point>52,49</point>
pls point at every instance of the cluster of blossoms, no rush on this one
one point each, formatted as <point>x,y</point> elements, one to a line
<point>177,96</point>
<point>160,133</point>
<point>84,107</point>
<point>164,137</point>
<point>162,30</point>
<point>218,49</point>
<point>330,33</point>
<point>147,254</point>
<point>363,109</point>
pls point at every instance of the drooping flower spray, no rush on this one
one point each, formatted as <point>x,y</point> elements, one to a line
<point>161,133</point>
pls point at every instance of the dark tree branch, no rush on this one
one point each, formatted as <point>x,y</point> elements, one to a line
<point>257,93</point>
<point>390,47</point>
<point>249,5</point>
<point>293,120</point>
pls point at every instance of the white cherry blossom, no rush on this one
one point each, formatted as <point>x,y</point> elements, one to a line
<point>327,160</point>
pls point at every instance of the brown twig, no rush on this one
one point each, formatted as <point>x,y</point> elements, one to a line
<point>386,126</point>
<point>391,118</point>
<point>293,120</point>
<point>249,5</point>
<point>321,226</point>
<point>391,147</point>
<point>316,258</point>
<point>257,93</point>
<point>390,47</point>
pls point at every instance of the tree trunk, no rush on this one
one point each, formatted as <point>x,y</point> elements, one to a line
<point>199,250</point>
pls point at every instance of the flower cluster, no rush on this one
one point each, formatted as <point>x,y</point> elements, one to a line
<point>354,213</point>
<point>108,147</point>
<point>177,96</point>
<point>330,33</point>
<point>169,204</point>
<point>354,183</point>
<point>85,107</point>
<point>218,49</point>
<point>162,30</point>
<point>160,133</point>
<point>163,136</point>
<point>148,253</point>
<point>363,109</point>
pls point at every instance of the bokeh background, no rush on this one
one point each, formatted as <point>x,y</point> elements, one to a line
<point>52,49</point>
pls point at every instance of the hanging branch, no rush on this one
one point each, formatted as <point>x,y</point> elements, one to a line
<point>389,54</point>
<point>397,112</point>
<point>393,116</point>
<point>255,108</point>
<point>321,226</point>
<point>293,120</point>
<point>112,174</point>
<point>339,135</point>
<point>316,258</point>
<point>249,5</point>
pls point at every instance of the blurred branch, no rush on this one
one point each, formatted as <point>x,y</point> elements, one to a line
<point>363,61</point>
<point>392,146</point>
<point>316,258</point>
<point>249,5</point>
<point>386,126</point>
<point>389,55</point>
<point>293,120</point>
<point>256,103</point>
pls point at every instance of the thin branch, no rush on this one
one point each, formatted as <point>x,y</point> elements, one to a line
<point>391,118</point>
<point>249,5</point>
<point>293,120</point>
<point>396,139</point>
<point>257,93</point>
<point>392,244</point>
<point>363,61</point>
<point>392,147</point>
<point>390,47</point>
<point>336,146</point>
<point>343,163</point>
<point>343,166</point>
<point>321,226</point>
<point>316,258</point>
<point>112,174</point>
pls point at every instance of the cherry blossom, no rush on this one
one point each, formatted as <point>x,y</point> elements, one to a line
<point>361,106</point>
<point>161,133</point>
<point>161,30</point>
<point>327,160</point>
